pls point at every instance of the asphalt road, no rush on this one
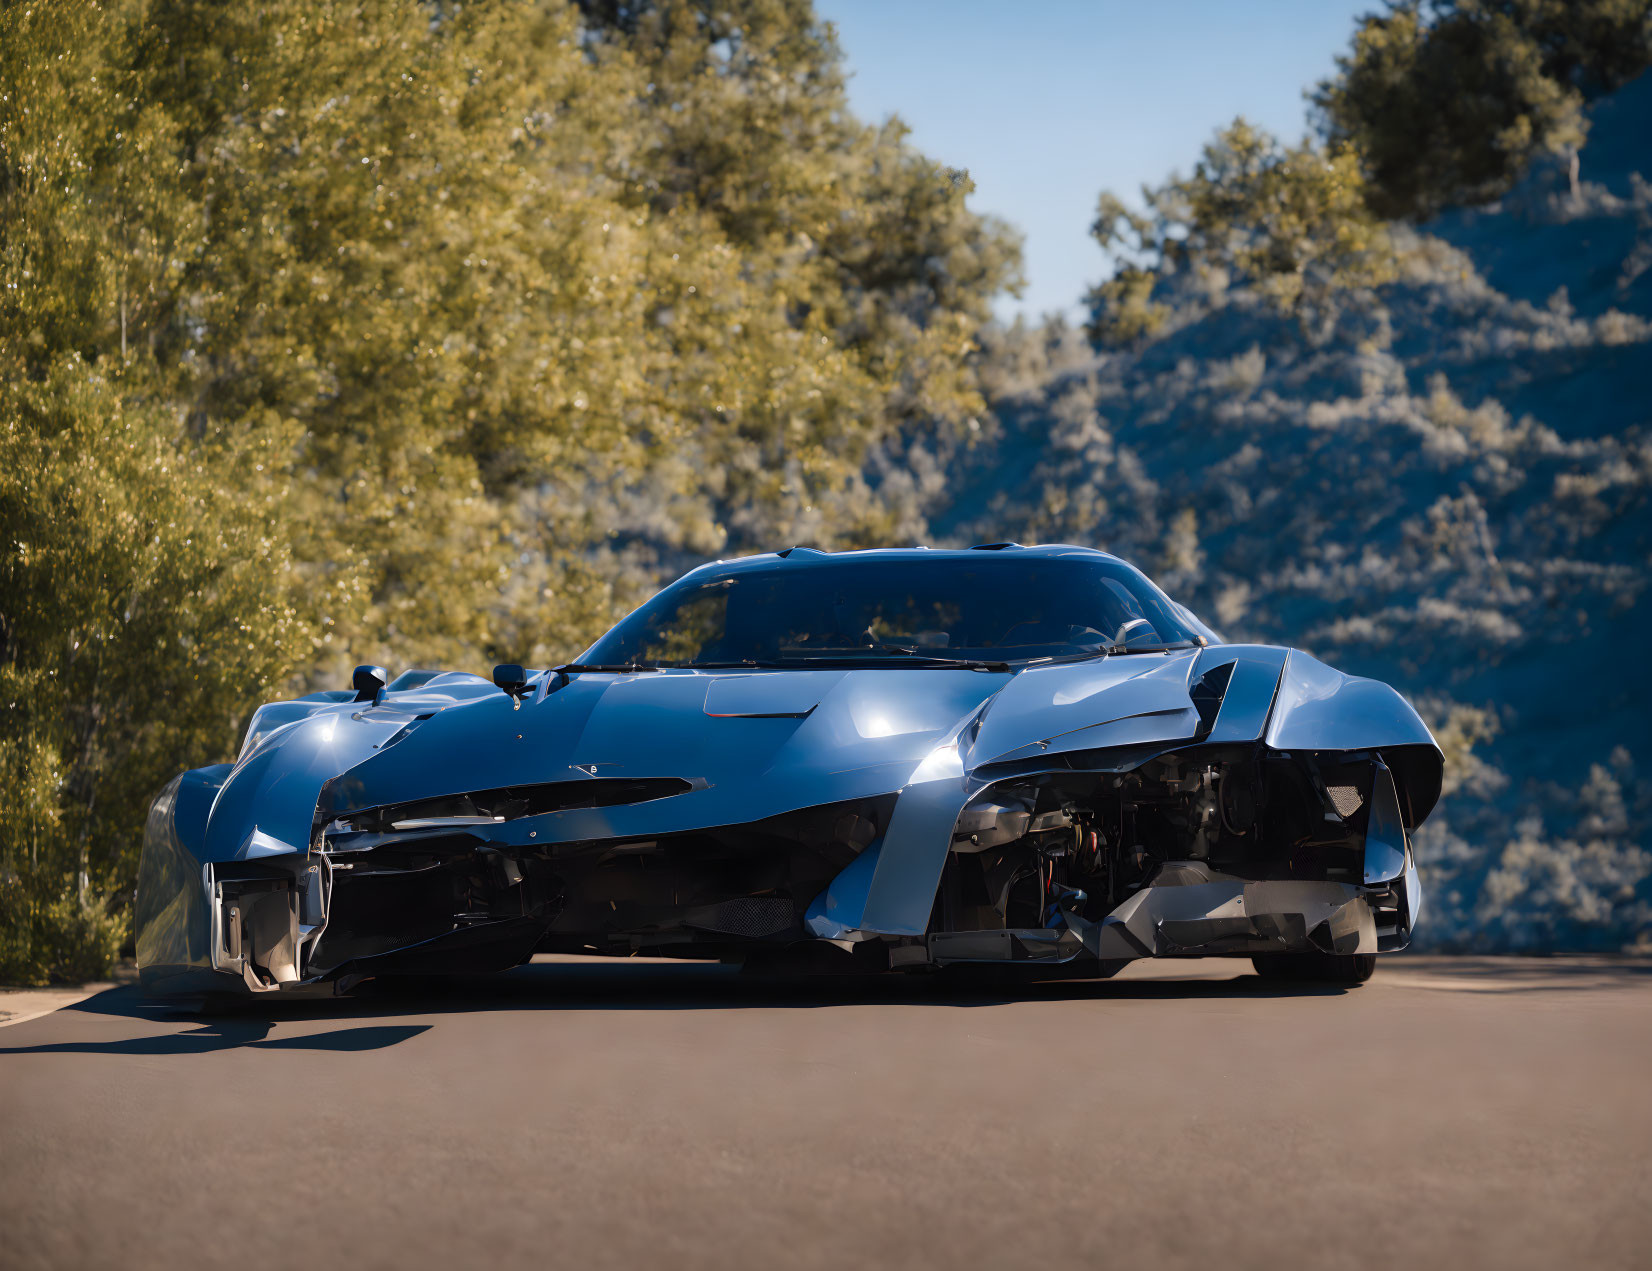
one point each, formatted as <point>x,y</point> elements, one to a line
<point>602,1114</point>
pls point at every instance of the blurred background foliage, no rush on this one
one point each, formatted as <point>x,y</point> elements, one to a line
<point>409,332</point>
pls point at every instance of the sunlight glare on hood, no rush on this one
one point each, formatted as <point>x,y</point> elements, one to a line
<point>875,725</point>
<point>881,719</point>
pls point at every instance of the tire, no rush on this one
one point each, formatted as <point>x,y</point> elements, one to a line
<point>1314,967</point>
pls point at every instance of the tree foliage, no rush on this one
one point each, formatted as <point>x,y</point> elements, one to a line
<point>147,603</point>
<point>1438,103</point>
<point>1291,222</point>
<point>412,332</point>
<point>1448,101</point>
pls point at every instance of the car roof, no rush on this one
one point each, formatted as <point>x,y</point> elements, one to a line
<point>802,557</point>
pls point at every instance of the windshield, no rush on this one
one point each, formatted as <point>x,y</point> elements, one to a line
<point>998,608</point>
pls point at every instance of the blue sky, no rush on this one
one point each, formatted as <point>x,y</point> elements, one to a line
<point>1047,102</point>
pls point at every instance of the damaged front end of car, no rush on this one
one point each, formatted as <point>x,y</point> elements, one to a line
<point>479,882</point>
<point>1196,852</point>
<point>1236,815</point>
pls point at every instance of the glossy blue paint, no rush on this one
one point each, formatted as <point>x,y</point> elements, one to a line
<point>272,791</point>
<point>840,910</point>
<point>865,735</point>
<point>902,892</point>
<point>1044,706</point>
<point>1320,708</point>
<point>1412,891</point>
<point>769,692</point>
<point>1249,697</point>
<point>1386,854</point>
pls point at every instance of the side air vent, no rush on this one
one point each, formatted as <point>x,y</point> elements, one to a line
<point>993,547</point>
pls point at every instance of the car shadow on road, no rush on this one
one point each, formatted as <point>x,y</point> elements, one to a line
<point>226,1032</point>
<point>400,1008</point>
<point>621,985</point>
<point>598,986</point>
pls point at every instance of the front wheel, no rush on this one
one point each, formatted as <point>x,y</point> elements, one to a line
<point>1314,967</point>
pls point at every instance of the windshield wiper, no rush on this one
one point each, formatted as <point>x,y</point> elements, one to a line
<point>1155,648</point>
<point>1063,659</point>
<point>941,660</point>
<point>615,668</point>
<point>1110,650</point>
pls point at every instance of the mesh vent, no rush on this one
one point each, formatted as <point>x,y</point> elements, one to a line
<point>753,916</point>
<point>1345,799</point>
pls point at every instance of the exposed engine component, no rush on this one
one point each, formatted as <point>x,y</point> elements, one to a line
<point>1026,850</point>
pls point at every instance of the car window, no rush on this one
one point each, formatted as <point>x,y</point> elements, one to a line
<point>997,607</point>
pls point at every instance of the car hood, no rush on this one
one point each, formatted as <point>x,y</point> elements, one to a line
<point>749,744</point>
<point>716,730</point>
<point>783,729</point>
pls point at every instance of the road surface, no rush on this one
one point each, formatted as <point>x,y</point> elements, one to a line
<point>622,1114</point>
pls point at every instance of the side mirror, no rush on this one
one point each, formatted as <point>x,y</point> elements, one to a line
<point>369,682</point>
<point>511,678</point>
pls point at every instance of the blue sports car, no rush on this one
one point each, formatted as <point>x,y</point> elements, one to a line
<point>1027,757</point>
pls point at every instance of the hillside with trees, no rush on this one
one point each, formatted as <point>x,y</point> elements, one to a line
<point>1420,451</point>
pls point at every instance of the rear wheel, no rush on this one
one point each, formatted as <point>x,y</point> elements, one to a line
<point>1314,967</point>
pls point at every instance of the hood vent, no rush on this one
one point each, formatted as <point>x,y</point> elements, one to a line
<point>483,807</point>
<point>1207,693</point>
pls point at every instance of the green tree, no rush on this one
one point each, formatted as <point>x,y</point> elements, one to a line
<point>143,596</point>
<point>864,280</point>
<point>1290,222</point>
<point>1448,101</point>
<point>512,266</point>
<point>146,607</point>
